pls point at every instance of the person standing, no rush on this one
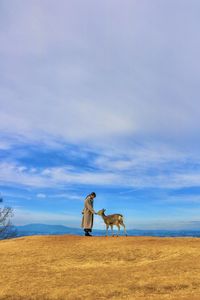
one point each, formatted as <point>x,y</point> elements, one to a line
<point>88,214</point>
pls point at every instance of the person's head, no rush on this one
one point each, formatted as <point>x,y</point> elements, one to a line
<point>93,195</point>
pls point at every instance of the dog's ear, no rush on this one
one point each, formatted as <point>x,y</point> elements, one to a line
<point>104,209</point>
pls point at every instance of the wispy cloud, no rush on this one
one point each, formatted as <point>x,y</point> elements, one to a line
<point>52,177</point>
<point>80,91</point>
<point>42,196</point>
<point>16,174</point>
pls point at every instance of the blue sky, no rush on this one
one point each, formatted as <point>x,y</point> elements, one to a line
<point>101,96</point>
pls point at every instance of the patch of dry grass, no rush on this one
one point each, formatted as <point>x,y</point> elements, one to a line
<point>74,267</point>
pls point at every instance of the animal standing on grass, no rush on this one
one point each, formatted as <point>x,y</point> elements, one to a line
<point>110,220</point>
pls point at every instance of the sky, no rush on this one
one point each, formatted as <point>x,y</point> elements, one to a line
<point>101,96</point>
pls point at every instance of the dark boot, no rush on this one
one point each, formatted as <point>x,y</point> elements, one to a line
<point>87,232</point>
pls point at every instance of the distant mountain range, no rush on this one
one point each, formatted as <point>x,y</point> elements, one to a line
<point>44,229</point>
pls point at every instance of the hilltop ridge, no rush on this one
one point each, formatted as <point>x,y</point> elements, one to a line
<point>74,267</point>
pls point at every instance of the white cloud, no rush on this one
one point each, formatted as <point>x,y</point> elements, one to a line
<point>15,174</point>
<point>130,82</point>
<point>141,157</point>
<point>41,195</point>
<point>10,173</point>
<point>71,196</point>
<point>4,146</point>
<point>188,198</point>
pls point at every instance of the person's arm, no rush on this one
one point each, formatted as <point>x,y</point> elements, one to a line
<point>89,206</point>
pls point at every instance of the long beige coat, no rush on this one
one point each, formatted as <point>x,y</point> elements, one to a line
<point>88,213</point>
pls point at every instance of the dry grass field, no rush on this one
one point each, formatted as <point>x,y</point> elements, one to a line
<point>74,267</point>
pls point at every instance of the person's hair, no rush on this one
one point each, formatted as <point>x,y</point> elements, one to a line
<point>93,194</point>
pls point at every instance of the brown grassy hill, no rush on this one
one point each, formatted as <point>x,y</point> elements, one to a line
<point>74,267</point>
